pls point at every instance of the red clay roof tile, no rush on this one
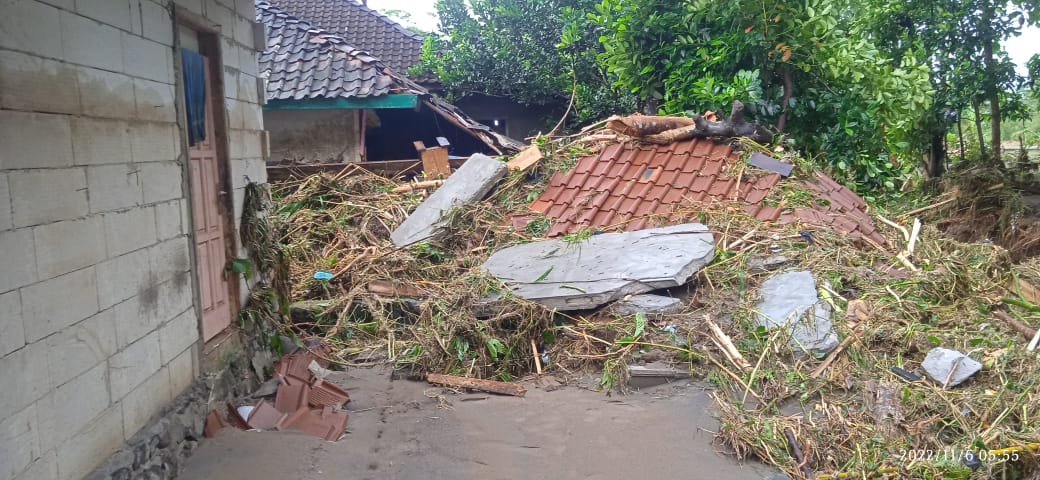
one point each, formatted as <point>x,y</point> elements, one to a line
<point>712,166</point>
<point>692,164</point>
<point>701,183</point>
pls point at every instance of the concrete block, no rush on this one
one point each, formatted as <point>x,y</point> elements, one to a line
<point>32,27</point>
<point>106,94</point>
<point>178,335</point>
<point>18,258</point>
<point>70,407</point>
<point>182,370</point>
<point>247,170</point>
<point>63,247</point>
<point>162,181</point>
<point>132,366</point>
<point>153,142</point>
<point>112,12</point>
<point>605,267</point>
<point>136,317</point>
<point>252,116</point>
<point>247,88</point>
<point>122,277</point>
<point>234,113</point>
<point>75,350</point>
<point>135,17</point>
<point>34,140</point>
<point>247,61</point>
<point>12,336</point>
<point>168,220</point>
<point>155,101</point>
<point>169,258</point>
<point>157,22</point>
<point>19,442</point>
<point>53,305</point>
<point>175,296</point>
<point>653,306</point>
<point>26,368</point>
<point>245,8</point>
<point>469,183</point>
<point>113,187</point>
<point>44,468</point>
<point>230,53</point>
<point>145,401</point>
<point>130,230</point>
<point>147,59</point>
<point>222,16</point>
<point>790,301</point>
<point>96,141</point>
<point>231,83</point>
<point>194,6</point>
<point>244,31</point>
<point>95,442</point>
<point>34,83</point>
<point>82,36</point>
<point>44,196</point>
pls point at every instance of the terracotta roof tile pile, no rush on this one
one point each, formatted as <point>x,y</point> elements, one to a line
<point>630,186</point>
<point>363,27</point>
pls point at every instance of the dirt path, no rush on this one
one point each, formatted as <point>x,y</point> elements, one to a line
<point>398,432</point>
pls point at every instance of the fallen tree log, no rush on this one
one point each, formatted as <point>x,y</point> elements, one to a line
<point>492,386</point>
<point>666,130</point>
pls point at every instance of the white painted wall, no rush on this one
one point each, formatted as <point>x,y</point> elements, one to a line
<point>98,329</point>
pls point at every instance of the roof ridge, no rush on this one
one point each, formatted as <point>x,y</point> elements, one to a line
<point>313,31</point>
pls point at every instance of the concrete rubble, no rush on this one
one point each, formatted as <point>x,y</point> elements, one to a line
<point>653,374</point>
<point>653,306</point>
<point>790,301</point>
<point>949,367</point>
<point>584,275</point>
<point>470,183</point>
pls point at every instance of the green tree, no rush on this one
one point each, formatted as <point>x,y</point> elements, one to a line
<point>533,51</point>
<point>810,67</point>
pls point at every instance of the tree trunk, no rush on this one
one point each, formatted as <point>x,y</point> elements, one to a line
<point>788,91</point>
<point>665,130</point>
<point>978,124</point>
<point>992,91</point>
<point>960,134</point>
<point>936,156</point>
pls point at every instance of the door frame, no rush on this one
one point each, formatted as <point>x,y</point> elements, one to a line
<point>209,40</point>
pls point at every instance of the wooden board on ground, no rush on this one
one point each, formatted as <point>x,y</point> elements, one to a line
<point>525,159</point>
<point>491,386</point>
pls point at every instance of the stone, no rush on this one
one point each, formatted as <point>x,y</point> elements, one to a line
<point>941,361</point>
<point>756,265</point>
<point>653,374</point>
<point>650,305</point>
<point>577,276</point>
<point>469,183</point>
<point>790,301</point>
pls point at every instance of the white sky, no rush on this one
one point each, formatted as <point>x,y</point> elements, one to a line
<point>424,16</point>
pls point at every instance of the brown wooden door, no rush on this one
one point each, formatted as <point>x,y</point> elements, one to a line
<point>210,236</point>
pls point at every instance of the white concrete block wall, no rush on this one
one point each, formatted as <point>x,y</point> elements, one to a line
<point>98,328</point>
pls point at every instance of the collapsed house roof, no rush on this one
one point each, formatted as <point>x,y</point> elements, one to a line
<point>363,27</point>
<point>303,62</point>
<point>632,186</point>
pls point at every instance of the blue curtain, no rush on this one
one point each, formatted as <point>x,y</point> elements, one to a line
<point>194,67</point>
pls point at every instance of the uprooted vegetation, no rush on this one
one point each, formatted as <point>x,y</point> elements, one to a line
<point>423,308</point>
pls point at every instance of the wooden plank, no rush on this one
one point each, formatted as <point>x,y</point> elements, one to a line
<point>435,163</point>
<point>525,159</point>
<point>386,168</point>
<point>1029,292</point>
<point>396,100</point>
<point>491,386</point>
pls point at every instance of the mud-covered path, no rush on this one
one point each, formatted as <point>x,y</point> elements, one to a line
<point>398,432</point>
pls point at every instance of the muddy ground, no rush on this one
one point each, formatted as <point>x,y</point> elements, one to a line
<point>400,429</point>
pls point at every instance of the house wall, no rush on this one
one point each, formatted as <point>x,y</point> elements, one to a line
<point>314,136</point>
<point>520,121</point>
<point>98,325</point>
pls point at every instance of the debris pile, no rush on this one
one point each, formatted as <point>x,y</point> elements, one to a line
<point>646,261</point>
<point>303,400</point>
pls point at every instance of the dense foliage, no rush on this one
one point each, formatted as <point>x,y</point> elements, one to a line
<point>533,51</point>
<point>808,67</point>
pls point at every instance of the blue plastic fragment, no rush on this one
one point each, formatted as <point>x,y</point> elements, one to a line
<point>320,275</point>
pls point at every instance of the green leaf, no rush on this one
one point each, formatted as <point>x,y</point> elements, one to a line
<point>544,275</point>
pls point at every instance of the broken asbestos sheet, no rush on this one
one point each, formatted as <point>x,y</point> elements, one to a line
<point>606,267</point>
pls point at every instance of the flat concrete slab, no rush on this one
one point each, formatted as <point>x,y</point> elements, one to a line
<point>470,183</point>
<point>604,268</point>
<point>789,300</point>
<point>949,367</point>
<point>653,306</point>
